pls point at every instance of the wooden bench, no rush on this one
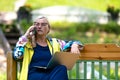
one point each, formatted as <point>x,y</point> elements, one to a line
<point>90,52</point>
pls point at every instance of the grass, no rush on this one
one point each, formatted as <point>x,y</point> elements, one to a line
<point>92,4</point>
<point>3,76</point>
<point>8,5</point>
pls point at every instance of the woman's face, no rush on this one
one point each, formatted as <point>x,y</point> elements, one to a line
<point>42,26</point>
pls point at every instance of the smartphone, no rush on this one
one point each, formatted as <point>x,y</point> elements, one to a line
<point>33,41</point>
<point>34,31</point>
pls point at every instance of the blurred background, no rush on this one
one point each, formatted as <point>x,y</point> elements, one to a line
<point>89,21</point>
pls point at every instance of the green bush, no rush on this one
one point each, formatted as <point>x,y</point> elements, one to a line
<point>85,32</point>
<point>8,28</point>
<point>111,27</point>
<point>25,25</point>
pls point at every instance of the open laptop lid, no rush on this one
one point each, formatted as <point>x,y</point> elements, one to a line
<point>64,58</point>
<point>51,64</point>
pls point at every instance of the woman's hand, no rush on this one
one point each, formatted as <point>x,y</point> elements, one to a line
<point>75,49</point>
<point>29,33</point>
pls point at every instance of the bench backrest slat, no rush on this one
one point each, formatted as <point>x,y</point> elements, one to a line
<point>100,52</point>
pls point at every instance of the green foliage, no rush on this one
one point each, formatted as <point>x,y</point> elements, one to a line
<point>114,12</point>
<point>35,4</point>
<point>85,32</point>
<point>111,27</point>
<point>25,25</point>
<point>112,72</point>
<point>92,4</point>
<point>8,28</point>
<point>3,76</point>
<point>7,5</point>
<point>25,8</point>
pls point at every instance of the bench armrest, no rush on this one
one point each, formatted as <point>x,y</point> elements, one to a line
<point>11,67</point>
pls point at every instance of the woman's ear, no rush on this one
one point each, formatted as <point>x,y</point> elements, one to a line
<point>48,31</point>
<point>49,28</point>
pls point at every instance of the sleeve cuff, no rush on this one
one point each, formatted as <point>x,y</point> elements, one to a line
<point>22,41</point>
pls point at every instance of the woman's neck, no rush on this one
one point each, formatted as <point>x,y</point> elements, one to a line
<point>41,41</point>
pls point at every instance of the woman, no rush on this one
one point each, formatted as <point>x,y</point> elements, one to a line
<point>39,51</point>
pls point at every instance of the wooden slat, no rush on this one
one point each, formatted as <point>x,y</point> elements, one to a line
<point>11,67</point>
<point>100,52</point>
<point>101,47</point>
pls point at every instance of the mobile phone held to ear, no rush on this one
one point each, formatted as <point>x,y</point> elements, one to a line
<point>33,39</point>
<point>33,32</point>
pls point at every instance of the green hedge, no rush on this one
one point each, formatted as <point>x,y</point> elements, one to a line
<point>111,27</point>
<point>85,32</point>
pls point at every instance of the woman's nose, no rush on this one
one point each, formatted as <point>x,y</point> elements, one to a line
<point>39,26</point>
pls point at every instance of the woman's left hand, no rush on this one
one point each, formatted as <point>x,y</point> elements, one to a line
<point>75,49</point>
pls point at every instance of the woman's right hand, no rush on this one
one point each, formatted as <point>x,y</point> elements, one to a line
<point>28,33</point>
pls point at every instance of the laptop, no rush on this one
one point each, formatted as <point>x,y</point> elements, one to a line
<point>61,58</point>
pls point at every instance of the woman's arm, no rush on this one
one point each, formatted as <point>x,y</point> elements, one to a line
<point>19,48</point>
<point>73,46</point>
<point>20,45</point>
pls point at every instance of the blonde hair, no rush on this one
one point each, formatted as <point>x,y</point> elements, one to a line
<point>41,17</point>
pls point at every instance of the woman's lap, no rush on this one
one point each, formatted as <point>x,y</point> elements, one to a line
<point>58,73</point>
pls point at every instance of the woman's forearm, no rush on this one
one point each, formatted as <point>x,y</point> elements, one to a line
<point>19,48</point>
